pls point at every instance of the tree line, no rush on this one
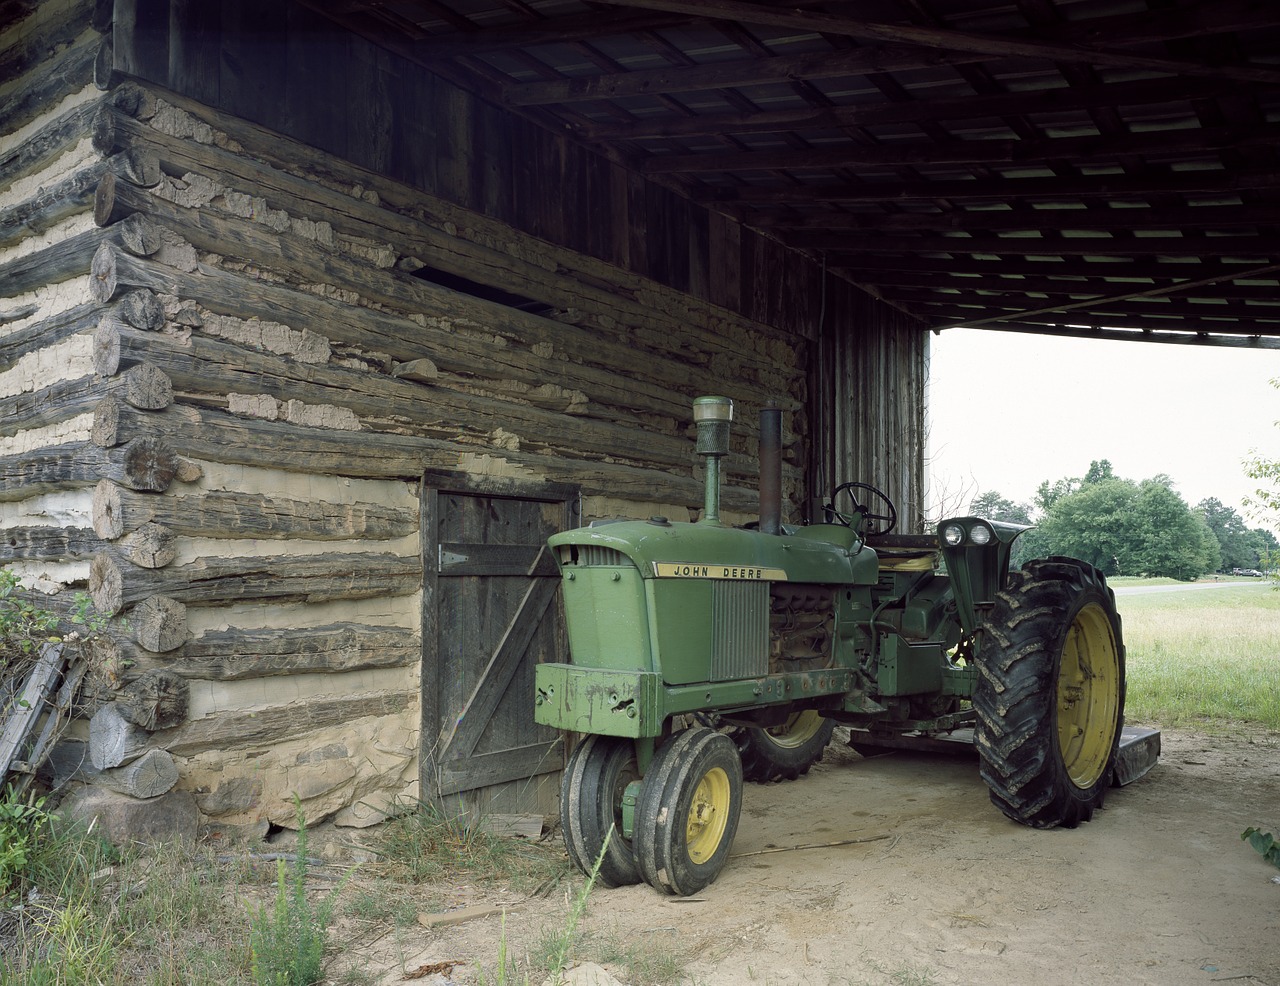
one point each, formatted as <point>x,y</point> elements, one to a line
<point>1125,527</point>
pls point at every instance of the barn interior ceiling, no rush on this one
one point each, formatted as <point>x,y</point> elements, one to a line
<point>1106,168</point>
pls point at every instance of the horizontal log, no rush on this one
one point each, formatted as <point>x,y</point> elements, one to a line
<point>115,584</point>
<point>203,433</point>
<point>216,514</point>
<point>73,194</point>
<point>44,333</point>
<point>59,74</point>
<point>200,365</point>
<point>651,356</point>
<point>234,655</point>
<point>48,143</point>
<point>457,240</point>
<point>229,293</point>
<point>48,544</point>
<point>34,32</point>
<point>58,262</point>
<point>260,727</point>
<point>146,463</point>
<point>45,406</point>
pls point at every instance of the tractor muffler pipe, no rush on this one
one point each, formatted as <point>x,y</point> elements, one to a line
<point>712,415</point>
<point>771,470</point>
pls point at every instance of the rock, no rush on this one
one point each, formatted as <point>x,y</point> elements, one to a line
<point>123,820</point>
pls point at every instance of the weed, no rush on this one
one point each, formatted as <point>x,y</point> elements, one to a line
<point>424,845</point>
<point>287,941</point>
<point>21,823</point>
<point>642,963</point>
<point>1265,843</point>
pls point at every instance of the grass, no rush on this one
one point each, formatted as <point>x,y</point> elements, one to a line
<point>1204,659</point>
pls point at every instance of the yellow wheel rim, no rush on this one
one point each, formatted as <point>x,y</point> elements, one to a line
<point>1088,696</point>
<point>797,730</point>
<point>708,815</point>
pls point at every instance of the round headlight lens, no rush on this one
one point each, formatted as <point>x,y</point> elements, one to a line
<point>980,534</point>
<point>953,534</point>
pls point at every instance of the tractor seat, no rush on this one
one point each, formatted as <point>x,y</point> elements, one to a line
<point>905,552</point>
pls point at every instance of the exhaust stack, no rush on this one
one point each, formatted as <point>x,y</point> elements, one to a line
<point>771,470</point>
<point>712,415</point>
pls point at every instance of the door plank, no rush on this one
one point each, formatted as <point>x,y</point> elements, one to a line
<point>497,675</point>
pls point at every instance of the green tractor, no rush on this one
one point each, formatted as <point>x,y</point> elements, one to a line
<point>703,655</point>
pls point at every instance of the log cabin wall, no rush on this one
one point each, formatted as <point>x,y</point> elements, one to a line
<point>256,278</point>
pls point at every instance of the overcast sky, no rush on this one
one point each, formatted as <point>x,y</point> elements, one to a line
<point>1010,410</point>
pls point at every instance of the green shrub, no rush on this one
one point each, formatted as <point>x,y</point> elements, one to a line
<point>287,941</point>
<point>21,825</point>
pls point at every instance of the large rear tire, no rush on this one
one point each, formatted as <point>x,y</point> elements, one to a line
<point>783,752</point>
<point>591,790</point>
<point>688,809</point>
<point>1050,694</point>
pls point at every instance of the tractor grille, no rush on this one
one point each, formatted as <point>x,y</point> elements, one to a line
<point>739,630</point>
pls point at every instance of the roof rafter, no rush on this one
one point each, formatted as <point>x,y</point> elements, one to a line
<point>988,46</point>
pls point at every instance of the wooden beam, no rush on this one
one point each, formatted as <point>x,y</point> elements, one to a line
<point>870,60</point>
<point>1033,219</point>
<point>1040,246</point>
<point>987,152</point>
<point>908,286</point>
<point>989,46</point>
<point>1002,189</point>
<point>1021,103</point>
<point>1212,337</point>
<point>869,267</point>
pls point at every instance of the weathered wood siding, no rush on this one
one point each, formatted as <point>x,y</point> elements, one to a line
<point>238,324</point>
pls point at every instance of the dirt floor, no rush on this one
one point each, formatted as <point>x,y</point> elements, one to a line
<point>1159,889</point>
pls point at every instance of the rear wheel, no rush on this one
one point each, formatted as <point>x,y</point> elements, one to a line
<point>1050,694</point>
<point>688,810</point>
<point>784,752</point>
<point>591,790</point>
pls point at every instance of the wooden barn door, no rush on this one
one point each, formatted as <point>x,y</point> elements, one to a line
<point>490,614</point>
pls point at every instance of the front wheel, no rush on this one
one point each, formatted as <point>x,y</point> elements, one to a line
<point>1050,694</point>
<point>591,790</point>
<point>688,809</point>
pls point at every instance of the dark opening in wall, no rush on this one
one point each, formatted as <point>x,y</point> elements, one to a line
<point>456,282</point>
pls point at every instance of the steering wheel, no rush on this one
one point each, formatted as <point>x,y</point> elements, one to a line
<point>861,513</point>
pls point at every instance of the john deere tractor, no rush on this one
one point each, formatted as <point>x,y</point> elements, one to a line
<point>703,655</point>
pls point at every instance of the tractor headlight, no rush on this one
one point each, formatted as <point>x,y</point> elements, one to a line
<point>980,534</point>
<point>953,534</point>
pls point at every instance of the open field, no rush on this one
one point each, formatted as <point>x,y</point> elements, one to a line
<point>1204,659</point>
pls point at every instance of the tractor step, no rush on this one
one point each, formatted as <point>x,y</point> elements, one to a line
<point>1139,747</point>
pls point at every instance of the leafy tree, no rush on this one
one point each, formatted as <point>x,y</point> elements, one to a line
<point>1265,502</point>
<point>1092,523</point>
<point>1047,493</point>
<point>1099,469</point>
<point>1238,544</point>
<point>1170,538</point>
<point>993,506</point>
<point>1125,528</point>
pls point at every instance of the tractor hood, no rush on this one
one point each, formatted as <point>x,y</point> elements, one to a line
<point>827,553</point>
